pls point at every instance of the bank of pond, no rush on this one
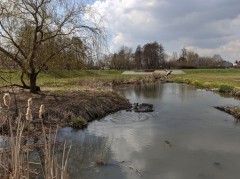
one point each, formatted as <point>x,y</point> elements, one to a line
<point>146,130</point>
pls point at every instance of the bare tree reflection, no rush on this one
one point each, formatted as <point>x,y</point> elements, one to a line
<point>87,153</point>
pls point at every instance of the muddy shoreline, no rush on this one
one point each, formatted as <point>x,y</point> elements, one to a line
<point>233,110</point>
<point>77,108</point>
<point>74,109</point>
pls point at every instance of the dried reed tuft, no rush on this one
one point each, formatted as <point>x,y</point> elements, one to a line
<point>14,155</point>
<point>30,104</point>
<point>41,111</point>
<point>29,116</point>
<point>7,100</point>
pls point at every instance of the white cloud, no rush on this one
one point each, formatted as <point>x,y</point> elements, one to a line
<point>229,51</point>
<point>208,27</point>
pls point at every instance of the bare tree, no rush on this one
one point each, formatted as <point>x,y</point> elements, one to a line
<point>183,55</point>
<point>28,26</point>
<point>138,57</point>
<point>154,55</point>
<point>192,58</point>
<point>122,59</point>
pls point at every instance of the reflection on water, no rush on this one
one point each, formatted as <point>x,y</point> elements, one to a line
<point>86,153</point>
<point>124,117</point>
<point>205,142</point>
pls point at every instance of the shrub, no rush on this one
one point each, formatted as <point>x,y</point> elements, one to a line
<point>180,80</point>
<point>207,85</point>
<point>236,91</point>
<point>78,122</point>
<point>197,83</point>
<point>224,88</point>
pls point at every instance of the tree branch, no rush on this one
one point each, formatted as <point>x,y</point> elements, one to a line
<point>51,56</point>
<point>12,40</point>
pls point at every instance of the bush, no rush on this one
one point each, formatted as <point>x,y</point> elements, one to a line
<point>181,80</point>
<point>236,91</point>
<point>78,122</point>
<point>207,85</point>
<point>223,88</point>
<point>197,83</point>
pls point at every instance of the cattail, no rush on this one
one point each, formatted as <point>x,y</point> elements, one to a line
<point>7,100</point>
<point>30,103</point>
<point>41,111</point>
<point>29,114</point>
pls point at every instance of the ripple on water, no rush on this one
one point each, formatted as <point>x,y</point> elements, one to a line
<point>129,117</point>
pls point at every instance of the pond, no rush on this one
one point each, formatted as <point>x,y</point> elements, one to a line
<point>184,138</point>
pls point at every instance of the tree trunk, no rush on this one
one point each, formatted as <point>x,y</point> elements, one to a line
<point>23,82</point>
<point>33,85</point>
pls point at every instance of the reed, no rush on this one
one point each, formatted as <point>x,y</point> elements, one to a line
<point>7,100</point>
<point>16,147</point>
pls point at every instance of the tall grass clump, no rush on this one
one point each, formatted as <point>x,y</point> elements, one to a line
<point>236,91</point>
<point>196,83</point>
<point>78,122</point>
<point>16,147</point>
<point>224,88</point>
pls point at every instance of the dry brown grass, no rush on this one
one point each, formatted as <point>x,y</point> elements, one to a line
<point>16,147</point>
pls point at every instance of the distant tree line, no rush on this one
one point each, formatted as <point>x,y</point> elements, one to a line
<point>153,56</point>
<point>150,56</point>
<point>237,64</point>
<point>78,55</point>
<point>190,59</point>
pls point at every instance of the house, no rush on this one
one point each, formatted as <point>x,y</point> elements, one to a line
<point>227,64</point>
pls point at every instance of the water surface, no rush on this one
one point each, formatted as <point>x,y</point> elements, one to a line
<point>204,142</point>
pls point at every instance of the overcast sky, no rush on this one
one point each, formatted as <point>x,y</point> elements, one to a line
<point>207,27</point>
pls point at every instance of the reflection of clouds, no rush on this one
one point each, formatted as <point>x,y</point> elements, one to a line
<point>127,142</point>
<point>200,135</point>
<point>125,139</point>
<point>144,91</point>
<point>178,92</point>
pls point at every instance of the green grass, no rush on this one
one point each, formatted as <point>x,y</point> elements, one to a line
<point>69,78</point>
<point>225,80</point>
<point>78,122</point>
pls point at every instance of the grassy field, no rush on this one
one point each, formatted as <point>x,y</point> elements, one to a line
<point>65,79</point>
<point>223,80</point>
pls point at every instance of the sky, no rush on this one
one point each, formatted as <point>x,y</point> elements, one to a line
<point>205,27</point>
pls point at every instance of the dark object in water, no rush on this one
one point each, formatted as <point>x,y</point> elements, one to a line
<point>144,107</point>
<point>168,143</point>
<point>101,162</point>
<point>216,164</point>
<point>129,110</point>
